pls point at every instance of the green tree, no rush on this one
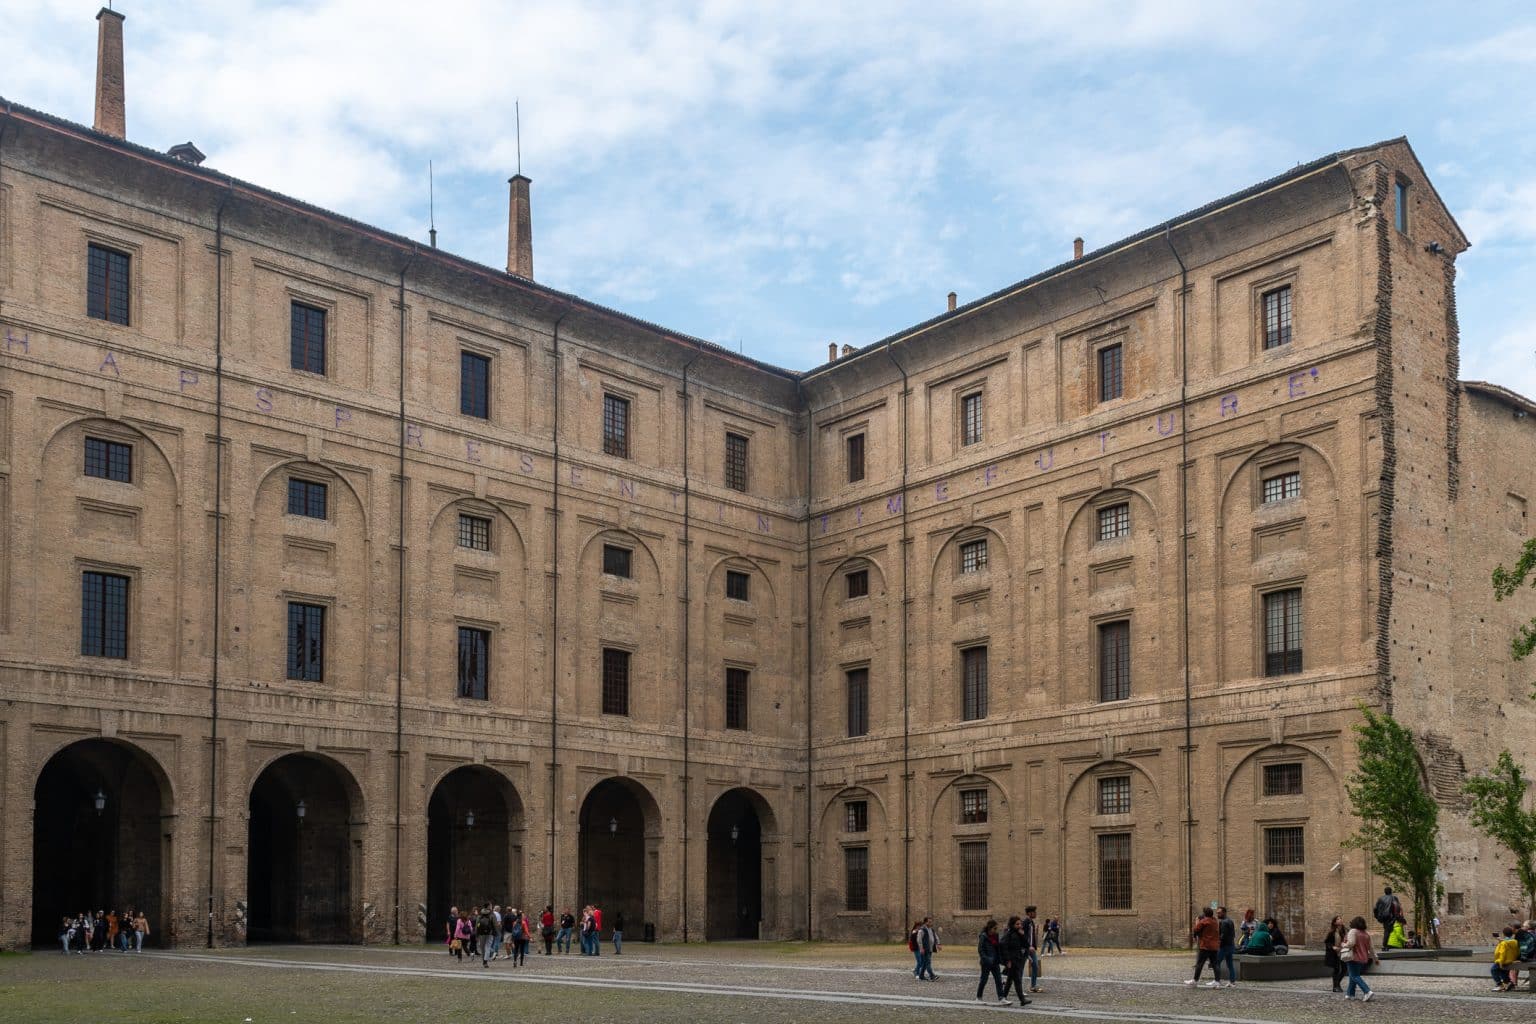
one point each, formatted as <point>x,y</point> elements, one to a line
<point>1505,583</point>
<point>1498,809</point>
<point>1399,820</point>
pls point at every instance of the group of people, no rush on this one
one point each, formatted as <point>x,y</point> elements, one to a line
<point>487,932</point>
<point>1007,956</point>
<point>1516,946</point>
<point>91,933</point>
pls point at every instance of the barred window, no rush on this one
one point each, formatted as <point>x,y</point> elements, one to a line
<point>306,498</point>
<point>474,385</point>
<point>306,642</point>
<point>615,682</point>
<point>1282,779</point>
<point>974,669</point>
<point>474,532</point>
<point>736,462</point>
<point>855,458</point>
<point>1115,521</point>
<point>616,561</point>
<point>106,287</point>
<point>858,701</point>
<point>738,585</point>
<point>1111,373</point>
<point>973,876</point>
<point>109,460</point>
<point>856,816</point>
<point>856,878</point>
<point>103,615</point>
<point>1277,317</point>
<point>1115,661</point>
<point>1284,846</point>
<point>474,662</point>
<point>737,681</point>
<point>858,583</point>
<point>973,555</point>
<point>1115,795</point>
<point>1282,632</point>
<point>616,426</point>
<point>1115,871</point>
<point>973,807</point>
<point>1282,486</point>
<point>970,419</point>
<point>306,338</point>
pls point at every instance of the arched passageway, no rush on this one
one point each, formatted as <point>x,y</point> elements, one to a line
<point>735,866</point>
<point>474,845</point>
<point>98,836</point>
<point>619,853</point>
<point>303,853</point>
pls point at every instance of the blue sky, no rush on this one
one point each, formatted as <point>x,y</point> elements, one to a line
<point>778,176</point>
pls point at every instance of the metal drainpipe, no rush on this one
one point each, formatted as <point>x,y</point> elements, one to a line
<point>400,604</point>
<point>218,537</point>
<point>687,650</point>
<point>810,634</point>
<point>554,627</point>
<point>906,710</point>
<point>1189,812</point>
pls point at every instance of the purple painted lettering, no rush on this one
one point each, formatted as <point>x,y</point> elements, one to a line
<point>109,361</point>
<point>413,435</point>
<point>825,522</point>
<point>1296,385</point>
<point>23,342</point>
<point>526,463</point>
<point>858,516</point>
<point>1228,404</point>
<point>472,450</point>
<point>343,415</point>
<point>186,378</point>
<point>1046,459</point>
<point>575,475</point>
<point>941,491</point>
<point>626,489</point>
<point>719,513</point>
<point>893,504</point>
<point>764,525</point>
<point>675,496</point>
<point>1173,421</point>
<point>1104,439</point>
<point>264,399</point>
<point>987,475</point>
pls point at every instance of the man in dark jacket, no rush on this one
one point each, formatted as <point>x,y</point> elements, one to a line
<point>1385,912</point>
<point>1207,935</point>
<point>1226,931</point>
<point>990,956</point>
<point>1032,949</point>
<point>1012,948</point>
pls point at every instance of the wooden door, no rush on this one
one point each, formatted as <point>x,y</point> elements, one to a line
<point>1287,905</point>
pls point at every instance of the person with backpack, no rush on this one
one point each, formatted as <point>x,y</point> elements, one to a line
<point>462,933</point>
<point>988,953</point>
<point>1357,955</point>
<point>1053,937</point>
<point>485,933</point>
<point>1012,948</point>
<point>927,945</point>
<point>1386,911</point>
<point>1207,937</point>
<point>917,958</point>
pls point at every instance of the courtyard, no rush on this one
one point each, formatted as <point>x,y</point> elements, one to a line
<point>700,983</point>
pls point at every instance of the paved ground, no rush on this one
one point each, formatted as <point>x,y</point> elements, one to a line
<point>697,984</point>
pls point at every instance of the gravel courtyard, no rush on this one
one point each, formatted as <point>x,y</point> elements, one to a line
<point>698,984</point>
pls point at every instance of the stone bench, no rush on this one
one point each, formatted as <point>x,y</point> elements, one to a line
<point>1451,962</point>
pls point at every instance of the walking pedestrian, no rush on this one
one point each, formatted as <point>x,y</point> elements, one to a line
<point>1032,949</point>
<point>1226,946</point>
<point>449,927</point>
<point>1386,911</point>
<point>597,930</point>
<point>618,933</point>
<point>462,931</point>
<point>140,932</point>
<point>547,929</point>
<point>1333,947</point>
<point>917,958</point>
<point>1207,936</point>
<point>1358,955</point>
<point>485,933</point>
<point>1012,946</point>
<point>927,945</point>
<point>988,953</point>
<point>1052,936</point>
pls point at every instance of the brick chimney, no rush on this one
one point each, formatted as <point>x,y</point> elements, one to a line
<point>952,298</point>
<point>111,117</point>
<point>520,228</point>
<point>1077,248</point>
<point>831,351</point>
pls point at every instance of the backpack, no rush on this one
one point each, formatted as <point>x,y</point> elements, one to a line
<point>912,941</point>
<point>1383,909</point>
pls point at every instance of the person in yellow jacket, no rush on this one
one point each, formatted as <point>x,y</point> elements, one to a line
<point>1504,955</point>
<point>1397,938</point>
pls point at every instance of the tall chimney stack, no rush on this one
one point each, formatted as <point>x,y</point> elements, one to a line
<point>952,298</point>
<point>520,228</point>
<point>831,351</point>
<point>111,118</point>
<point>1077,248</point>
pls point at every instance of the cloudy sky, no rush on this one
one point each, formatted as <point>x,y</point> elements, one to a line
<point>777,176</point>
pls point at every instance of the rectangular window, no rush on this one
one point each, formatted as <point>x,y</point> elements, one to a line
<point>474,532</point>
<point>1115,872</point>
<point>1115,661</point>
<point>616,561</point>
<point>858,701</point>
<point>306,338</point>
<point>973,807</point>
<point>1115,521</point>
<point>106,289</point>
<point>736,462</point>
<point>1284,846</point>
<point>970,419</point>
<point>474,385</point>
<point>616,426</point>
<point>109,460</point>
<point>1115,795</point>
<point>1111,373</point>
<point>306,498</point>
<point>855,458</point>
<point>1282,486</point>
<point>973,876</point>
<point>1282,633</point>
<point>474,662</point>
<point>737,681</point>
<point>738,586</point>
<point>615,682</point>
<point>103,615</point>
<point>306,642</point>
<point>858,583</point>
<point>1282,779</point>
<point>1400,214</point>
<point>1455,904</point>
<point>973,555</point>
<point>1277,317</point>
<point>856,816</point>
<point>856,878</point>
<point>974,669</point>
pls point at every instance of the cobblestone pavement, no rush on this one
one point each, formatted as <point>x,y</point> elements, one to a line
<point>749,982</point>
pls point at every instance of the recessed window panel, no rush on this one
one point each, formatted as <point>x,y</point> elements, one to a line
<point>306,642</point>
<point>474,662</point>
<point>474,532</point>
<point>1115,795</point>
<point>1277,317</point>
<point>1111,373</point>
<point>736,462</point>
<point>103,615</point>
<point>738,585</point>
<point>616,426</point>
<point>109,460</point>
<point>1115,521</point>
<point>616,561</point>
<point>306,498</point>
<point>107,283</point>
<point>973,807</point>
<point>474,385</point>
<point>306,338</point>
<point>973,555</point>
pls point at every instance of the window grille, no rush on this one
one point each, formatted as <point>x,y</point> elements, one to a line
<point>103,615</point>
<point>856,878</point>
<point>970,419</point>
<point>474,385</point>
<point>856,816</point>
<point>1282,779</point>
<point>855,458</point>
<point>1282,486</point>
<point>1111,373</point>
<point>736,682</point>
<point>973,556</point>
<point>616,561</point>
<point>736,462</point>
<point>1115,795</point>
<point>1115,661</point>
<point>616,426</point>
<point>306,338</point>
<point>1115,871</point>
<point>858,701</point>
<point>973,876</point>
<point>106,294</point>
<point>1277,317</point>
<point>109,460</point>
<point>306,498</point>
<point>1282,633</point>
<point>1115,521</point>
<point>474,662</point>
<point>858,583</point>
<point>1284,846</point>
<point>974,661</point>
<point>738,585</point>
<point>306,642</point>
<point>615,682</point>
<point>973,807</point>
<point>474,532</point>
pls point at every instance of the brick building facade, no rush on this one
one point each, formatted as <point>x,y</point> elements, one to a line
<point>343,578</point>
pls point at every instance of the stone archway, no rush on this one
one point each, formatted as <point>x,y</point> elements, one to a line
<point>619,853</point>
<point>734,873</point>
<point>98,836</point>
<point>302,864</point>
<point>474,844</point>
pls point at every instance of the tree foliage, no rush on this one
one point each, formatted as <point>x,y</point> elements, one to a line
<point>1498,809</point>
<point>1399,819</point>
<point>1505,583</point>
